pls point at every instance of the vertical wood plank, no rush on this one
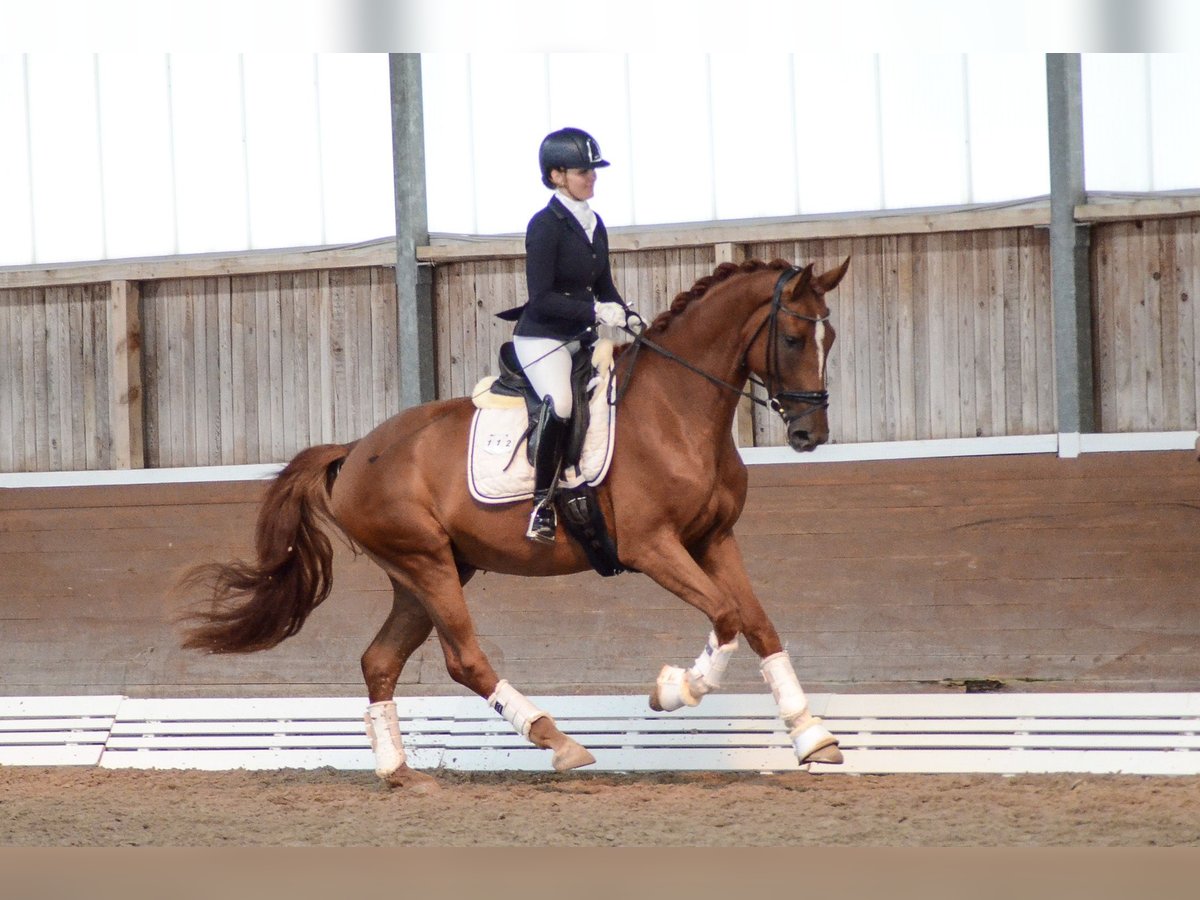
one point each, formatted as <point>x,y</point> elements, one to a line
<point>222,297</point>
<point>902,280</point>
<point>325,320</point>
<point>339,339</point>
<point>938,330</point>
<point>1187,281</point>
<point>183,389</point>
<point>1156,361</point>
<point>290,425</point>
<point>151,370</point>
<point>442,315</point>
<point>83,372</point>
<point>967,313</point>
<point>10,352</point>
<point>976,352</point>
<point>743,419</point>
<point>1026,311</point>
<point>1166,293</point>
<point>313,355</point>
<point>125,396</point>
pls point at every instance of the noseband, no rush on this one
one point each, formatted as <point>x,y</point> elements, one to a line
<point>816,400</point>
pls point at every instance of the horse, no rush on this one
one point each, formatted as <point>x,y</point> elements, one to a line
<point>674,490</point>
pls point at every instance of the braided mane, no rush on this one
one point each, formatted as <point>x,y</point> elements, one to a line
<point>721,273</point>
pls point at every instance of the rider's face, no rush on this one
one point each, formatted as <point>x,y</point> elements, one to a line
<point>579,183</point>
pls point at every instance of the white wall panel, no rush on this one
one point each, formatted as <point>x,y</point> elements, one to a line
<point>354,105</point>
<point>1116,126</point>
<point>209,152</point>
<point>449,142</point>
<point>16,223</point>
<point>65,152</point>
<point>132,155</point>
<point>1008,126</point>
<point>590,91</point>
<point>924,130</point>
<point>1175,121</point>
<point>753,136</point>
<point>135,140</point>
<point>837,132</point>
<point>283,165</point>
<point>670,122</point>
<point>510,104</point>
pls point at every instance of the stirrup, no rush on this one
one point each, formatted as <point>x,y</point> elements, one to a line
<point>543,524</point>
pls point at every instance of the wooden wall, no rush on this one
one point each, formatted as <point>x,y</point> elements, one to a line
<point>55,379</point>
<point>1146,284</point>
<point>943,331</point>
<point>255,368</point>
<point>1038,572</point>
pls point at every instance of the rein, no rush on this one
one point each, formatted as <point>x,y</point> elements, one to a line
<point>816,400</point>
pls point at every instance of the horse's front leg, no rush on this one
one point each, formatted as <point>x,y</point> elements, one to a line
<point>671,566</point>
<point>813,742</point>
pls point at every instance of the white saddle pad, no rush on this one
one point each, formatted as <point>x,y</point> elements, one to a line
<point>498,469</point>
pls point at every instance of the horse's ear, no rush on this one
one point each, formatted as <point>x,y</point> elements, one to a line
<point>806,275</point>
<point>827,282</point>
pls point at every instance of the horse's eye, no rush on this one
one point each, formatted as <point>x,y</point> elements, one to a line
<point>794,341</point>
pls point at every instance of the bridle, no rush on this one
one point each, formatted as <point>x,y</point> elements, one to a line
<point>815,400</point>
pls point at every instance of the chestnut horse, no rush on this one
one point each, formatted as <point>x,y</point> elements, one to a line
<point>674,490</point>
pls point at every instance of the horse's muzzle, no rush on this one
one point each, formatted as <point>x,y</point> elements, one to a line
<point>804,436</point>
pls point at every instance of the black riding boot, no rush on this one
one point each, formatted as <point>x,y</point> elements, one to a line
<point>548,441</point>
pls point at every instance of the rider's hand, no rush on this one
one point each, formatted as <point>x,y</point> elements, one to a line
<point>611,314</point>
<point>634,322</point>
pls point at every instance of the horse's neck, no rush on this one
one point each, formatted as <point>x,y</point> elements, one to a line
<point>711,336</point>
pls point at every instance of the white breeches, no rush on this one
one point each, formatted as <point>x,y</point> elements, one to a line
<point>547,364</point>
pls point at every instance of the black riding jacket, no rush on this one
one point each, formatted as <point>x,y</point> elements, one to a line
<point>565,274</point>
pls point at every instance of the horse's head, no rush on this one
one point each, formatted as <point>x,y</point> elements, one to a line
<point>791,350</point>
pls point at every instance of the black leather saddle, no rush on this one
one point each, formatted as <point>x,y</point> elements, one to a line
<point>511,382</point>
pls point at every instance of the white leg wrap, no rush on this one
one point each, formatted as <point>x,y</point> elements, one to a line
<point>685,687</point>
<point>709,667</point>
<point>807,738</point>
<point>805,731</point>
<point>383,730</point>
<point>785,688</point>
<point>673,689</point>
<point>515,707</point>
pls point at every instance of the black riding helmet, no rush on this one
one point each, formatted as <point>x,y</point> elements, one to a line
<point>568,148</point>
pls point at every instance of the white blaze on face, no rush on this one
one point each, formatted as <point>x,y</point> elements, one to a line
<point>820,339</point>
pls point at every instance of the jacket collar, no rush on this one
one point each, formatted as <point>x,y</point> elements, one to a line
<point>560,210</point>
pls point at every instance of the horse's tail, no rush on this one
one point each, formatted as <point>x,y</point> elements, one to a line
<point>255,605</point>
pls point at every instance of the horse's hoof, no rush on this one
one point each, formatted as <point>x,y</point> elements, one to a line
<point>829,754</point>
<point>655,703</point>
<point>411,781</point>
<point>572,755</point>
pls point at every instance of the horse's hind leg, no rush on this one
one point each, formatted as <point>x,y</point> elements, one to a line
<point>406,628</point>
<point>812,742</point>
<point>432,577</point>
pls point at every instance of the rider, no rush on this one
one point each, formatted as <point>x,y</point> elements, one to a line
<point>571,291</point>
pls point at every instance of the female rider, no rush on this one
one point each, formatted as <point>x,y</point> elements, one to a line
<point>571,291</point>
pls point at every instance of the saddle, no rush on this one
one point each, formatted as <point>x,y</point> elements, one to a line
<point>577,505</point>
<point>512,382</point>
